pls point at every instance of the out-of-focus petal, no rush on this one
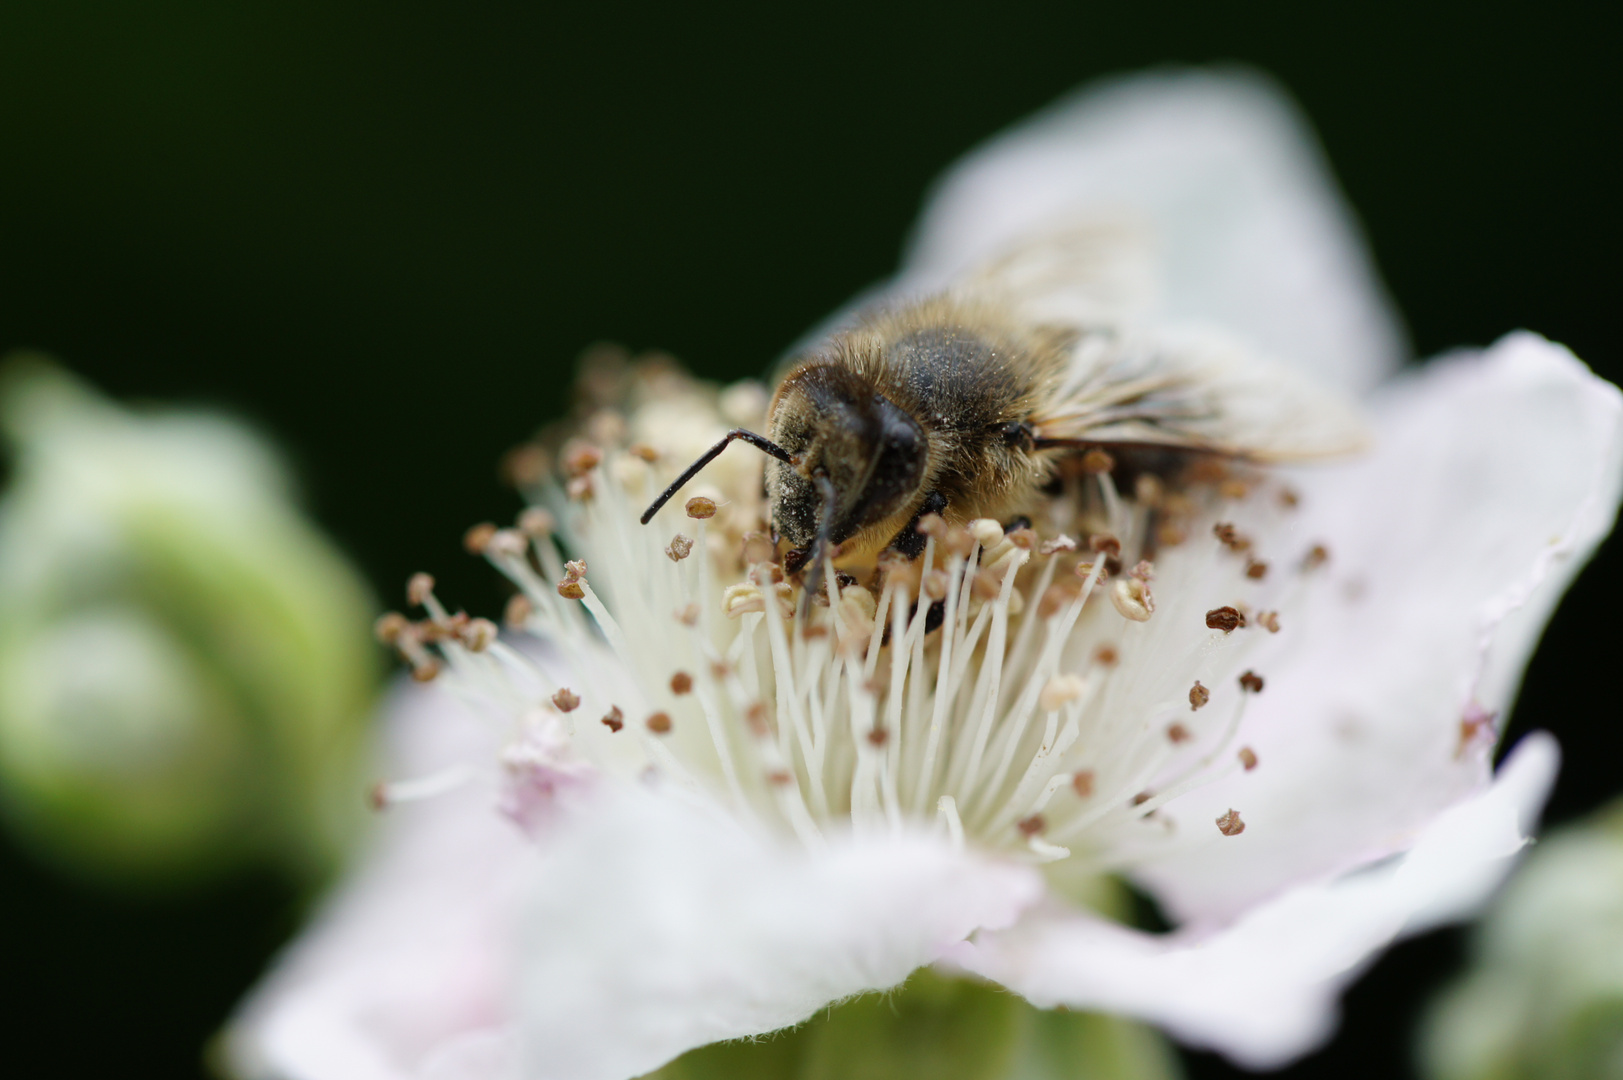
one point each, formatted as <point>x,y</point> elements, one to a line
<point>1247,227</point>
<point>1264,989</point>
<point>659,925</point>
<point>1493,479</point>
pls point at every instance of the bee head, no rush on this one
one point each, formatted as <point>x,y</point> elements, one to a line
<point>861,458</point>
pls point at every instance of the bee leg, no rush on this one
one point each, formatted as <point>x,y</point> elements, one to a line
<point>909,543</point>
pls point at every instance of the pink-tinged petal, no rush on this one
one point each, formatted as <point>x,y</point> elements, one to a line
<point>658,926</point>
<point>1493,478</point>
<point>406,973</point>
<point>1264,989</point>
<point>1246,226</point>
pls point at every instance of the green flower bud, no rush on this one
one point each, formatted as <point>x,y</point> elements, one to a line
<point>185,663</point>
<point>1544,996</point>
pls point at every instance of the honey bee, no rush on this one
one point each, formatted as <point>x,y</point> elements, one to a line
<point>964,403</point>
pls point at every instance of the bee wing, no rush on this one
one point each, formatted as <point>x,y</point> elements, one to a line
<point>1195,392</point>
<point>1246,228</point>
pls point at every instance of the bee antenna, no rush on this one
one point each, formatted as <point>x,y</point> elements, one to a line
<point>760,442</point>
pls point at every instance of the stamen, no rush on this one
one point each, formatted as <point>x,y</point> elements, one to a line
<point>1230,824</point>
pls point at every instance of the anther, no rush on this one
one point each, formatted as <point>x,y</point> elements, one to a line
<point>1106,656</point>
<point>643,451</point>
<point>518,611</point>
<point>1144,571</point>
<point>1059,543</point>
<point>614,719</point>
<point>525,465</point>
<point>755,717</point>
<point>700,507</point>
<point>508,543</point>
<point>987,533</point>
<point>1060,690</point>
<point>570,589</point>
<point>1269,621</point>
<point>1226,619</point>
<point>1082,783</point>
<point>1168,535</point>
<point>1096,461</point>
<point>985,585</point>
<point>566,699</point>
<point>759,548</point>
<point>936,584</point>
<point>1140,799</point>
<point>377,796</point>
<point>419,588</point>
<point>581,458</point>
<point>681,683</point>
<point>425,669</point>
<point>1233,489</point>
<point>536,523</point>
<point>1133,599</point>
<point>1229,537</point>
<point>1289,499</point>
<point>1031,826</point>
<point>1230,824</point>
<point>1256,569</point>
<point>877,737</point>
<point>1104,543</point>
<point>390,626</point>
<point>1177,733</point>
<point>1316,557</point>
<point>476,539</point>
<point>933,525</point>
<point>1022,538</point>
<point>659,723</point>
<point>780,777</point>
<point>1248,758</point>
<point>1054,600</point>
<point>1148,489</point>
<point>958,541</point>
<point>477,634</point>
<point>1198,696</point>
<point>680,547</point>
<point>688,614</point>
<point>579,488</point>
<point>1252,682</point>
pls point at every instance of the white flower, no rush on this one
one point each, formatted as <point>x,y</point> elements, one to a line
<point>1290,753</point>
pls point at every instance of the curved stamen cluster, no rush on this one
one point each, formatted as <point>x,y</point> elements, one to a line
<point>1072,689</point>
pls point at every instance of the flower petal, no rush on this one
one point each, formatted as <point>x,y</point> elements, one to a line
<point>1264,990</point>
<point>1493,479</point>
<point>659,925</point>
<point>1247,226</point>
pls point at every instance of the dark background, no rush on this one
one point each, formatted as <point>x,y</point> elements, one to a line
<point>383,231</point>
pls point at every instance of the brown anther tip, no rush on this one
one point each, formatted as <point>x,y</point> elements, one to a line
<point>1106,656</point>
<point>759,548</point>
<point>643,451</point>
<point>566,699</point>
<point>1104,543</point>
<point>477,538</point>
<point>1177,733</point>
<point>1031,826</point>
<point>701,508</point>
<point>418,588</point>
<point>1316,557</point>
<point>1226,619</point>
<point>659,723</point>
<point>1198,696</point>
<point>477,634</point>
<point>579,488</point>
<point>681,683</point>
<point>536,523</point>
<point>614,719</point>
<point>985,585</point>
<point>877,737</point>
<point>377,796</point>
<point>932,525</point>
<point>518,611</point>
<point>1022,538</point>
<point>390,626</point>
<point>570,589</point>
<point>1230,824</point>
<point>1168,535</point>
<point>874,686</point>
<point>780,777</point>
<point>575,569</point>
<point>1148,489</point>
<point>525,465</point>
<point>1057,544</point>
<point>1248,758</point>
<point>1230,537</point>
<point>1143,571</point>
<point>1082,783</point>
<point>1140,799</point>
<point>1256,569</point>
<point>936,584</point>
<point>1055,598</point>
<point>720,669</point>
<point>1289,499</point>
<point>958,541</point>
<point>1233,489</point>
<point>426,671</point>
<point>1097,461</point>
<point>1269,621</point>
<point>688,615</point>
<point>1251,681</point>
<point>680,547</point>
<point>755,717</point>
<point>581,458</point>
<point>1084,568</point>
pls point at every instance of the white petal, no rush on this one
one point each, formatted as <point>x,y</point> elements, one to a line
<point>1248,228</point>
<point>1264,990</point>
<point>406,972</point>
<point>1494,477</point>
<point>659,926</point>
